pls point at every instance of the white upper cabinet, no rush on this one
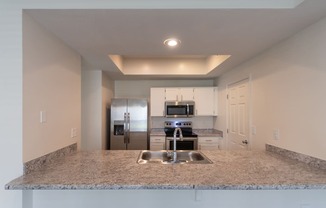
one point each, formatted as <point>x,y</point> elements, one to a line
<point>157,101</point>
<point>205,101</point>
<point>179,94</point>
<point>172,94</point>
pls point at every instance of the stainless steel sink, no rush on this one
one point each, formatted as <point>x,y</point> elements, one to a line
<point>165,157</point>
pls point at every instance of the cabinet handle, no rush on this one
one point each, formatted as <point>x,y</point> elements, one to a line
<point>181,97</point>
<point>177,97</point>
<point>209,140</point>
<point>245,142</point>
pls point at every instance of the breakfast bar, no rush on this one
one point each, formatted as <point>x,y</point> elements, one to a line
<point>230,170</point>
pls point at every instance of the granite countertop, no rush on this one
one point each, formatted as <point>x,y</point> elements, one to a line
<point>199,132</point>
<point>117,169</point>
<point>208,132</point>
<point>157,132</point>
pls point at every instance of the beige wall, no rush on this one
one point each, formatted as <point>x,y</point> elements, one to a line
<point>51,83</point>
<point>288,93</point>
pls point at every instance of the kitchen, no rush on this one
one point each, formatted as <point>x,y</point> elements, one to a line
<point>268,79</point>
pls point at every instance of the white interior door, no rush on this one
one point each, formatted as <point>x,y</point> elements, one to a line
<point>238,111</point>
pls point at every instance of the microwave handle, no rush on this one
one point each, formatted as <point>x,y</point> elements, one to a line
<point>187,110</point>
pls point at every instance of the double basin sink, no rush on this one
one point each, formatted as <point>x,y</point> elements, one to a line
<point>165,157</point>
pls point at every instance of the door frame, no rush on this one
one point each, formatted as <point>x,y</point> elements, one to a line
<point>249,78</point>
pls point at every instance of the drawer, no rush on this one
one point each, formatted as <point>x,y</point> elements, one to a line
<point>208,139</point>
<point>157,139</point>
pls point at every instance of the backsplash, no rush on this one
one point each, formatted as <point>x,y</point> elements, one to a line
<point>312,161</point>
<point>48,158</point>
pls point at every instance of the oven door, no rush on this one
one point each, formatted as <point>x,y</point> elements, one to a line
<point>187,143</point>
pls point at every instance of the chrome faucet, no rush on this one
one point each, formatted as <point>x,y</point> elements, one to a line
<point>175,142</point>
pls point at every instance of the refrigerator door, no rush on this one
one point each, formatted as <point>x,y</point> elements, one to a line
<point>137,109</point>
<point>118,133</point>
<point>137,124</point>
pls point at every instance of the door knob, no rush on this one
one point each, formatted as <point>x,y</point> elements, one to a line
<point>244,141</point>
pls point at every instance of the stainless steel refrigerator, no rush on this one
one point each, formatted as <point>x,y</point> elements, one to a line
<point>128,129</point>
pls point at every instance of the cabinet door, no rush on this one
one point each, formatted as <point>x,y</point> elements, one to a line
<point>215,107</point>
<point>204,101</point>
<point>186,94</point>
<point>157,101</point>
<point>156,146</point>
<point>172,94</point>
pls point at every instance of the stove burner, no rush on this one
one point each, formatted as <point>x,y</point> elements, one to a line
<point>185,126</point>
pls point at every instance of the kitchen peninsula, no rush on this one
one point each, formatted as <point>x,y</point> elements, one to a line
<point>231,170</point>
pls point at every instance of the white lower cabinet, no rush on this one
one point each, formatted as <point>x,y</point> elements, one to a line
<point>157,143</point>
<point>208,143</point>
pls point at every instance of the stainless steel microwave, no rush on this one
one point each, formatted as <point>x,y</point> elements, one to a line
<point>175,109</point>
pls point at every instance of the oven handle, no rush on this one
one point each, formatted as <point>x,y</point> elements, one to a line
<point>169,139</point>
<point>183,139</point>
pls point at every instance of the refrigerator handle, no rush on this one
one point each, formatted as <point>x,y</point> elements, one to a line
<point>125,128</point>
<point>128,128</point>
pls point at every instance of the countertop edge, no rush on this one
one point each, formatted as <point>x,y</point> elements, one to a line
<point>168,187</point>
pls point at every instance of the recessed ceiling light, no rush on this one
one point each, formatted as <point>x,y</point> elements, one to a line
<point>172,42</point>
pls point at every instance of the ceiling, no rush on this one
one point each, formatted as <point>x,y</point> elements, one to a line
<point>139,33</point>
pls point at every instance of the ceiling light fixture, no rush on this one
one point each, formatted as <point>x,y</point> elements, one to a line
<point>172,42</point>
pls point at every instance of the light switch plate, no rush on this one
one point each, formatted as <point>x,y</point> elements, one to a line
<point>73,132</point>
<point>276,134</point>
<point>42,116</point>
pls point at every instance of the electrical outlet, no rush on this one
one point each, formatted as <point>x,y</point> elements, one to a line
<point>305,206</point>
<point>276,134</point>
<point>253,130</point>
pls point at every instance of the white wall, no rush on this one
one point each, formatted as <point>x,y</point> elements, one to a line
<point>181,198</point>
<point>141,88</point>
<point>288,92</point>
<point>11,76</point>
<point>51,83</point>
<point>107,94</point>
<point>97,91</point>
<point>91,109</point>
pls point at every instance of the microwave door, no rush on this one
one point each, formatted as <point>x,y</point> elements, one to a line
<point>176,111</point>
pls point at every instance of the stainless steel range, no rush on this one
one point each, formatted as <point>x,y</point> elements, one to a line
<point>189,139</point>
